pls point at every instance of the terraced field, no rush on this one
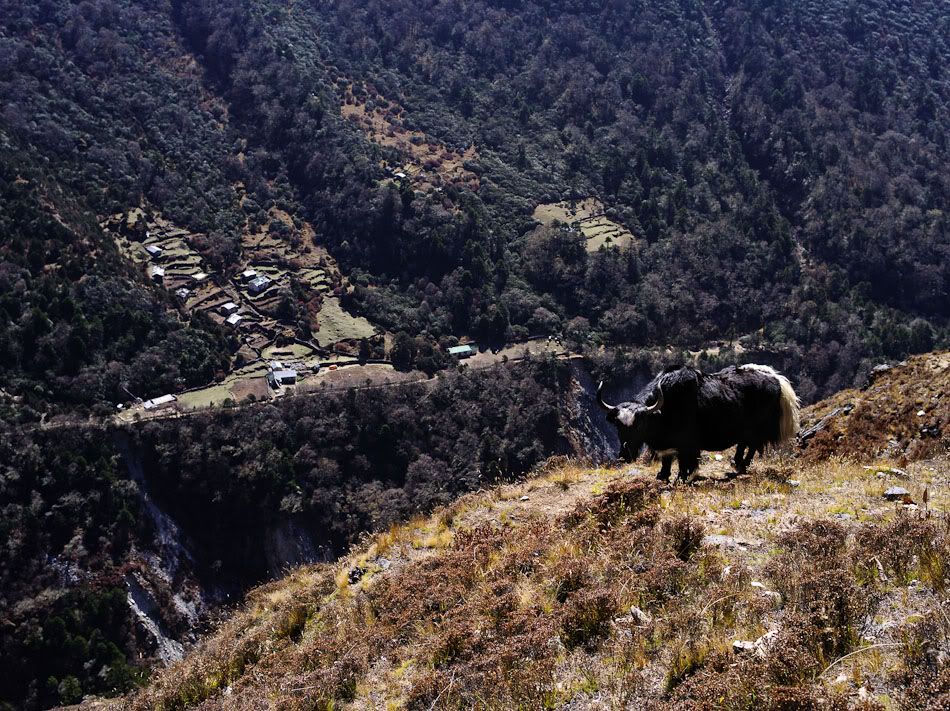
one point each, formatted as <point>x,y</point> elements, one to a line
<point>336,324</point>
<point>588,217</point>
<point>430,164</point>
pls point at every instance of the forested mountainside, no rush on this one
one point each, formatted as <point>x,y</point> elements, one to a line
<point>78,325</point>
<point>770,170</point>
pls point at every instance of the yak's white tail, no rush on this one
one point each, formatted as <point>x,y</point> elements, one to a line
<point>789,423</point>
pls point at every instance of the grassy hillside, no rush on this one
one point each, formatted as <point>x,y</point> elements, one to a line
<point>797,586</point>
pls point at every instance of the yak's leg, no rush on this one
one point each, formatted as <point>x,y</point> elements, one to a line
<point>739,459</point>
<point>748,457</point>
<point>665,469</point>
<point>688,463</point>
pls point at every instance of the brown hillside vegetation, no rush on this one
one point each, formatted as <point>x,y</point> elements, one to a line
<point>805,584</point>
<point>903,413</point>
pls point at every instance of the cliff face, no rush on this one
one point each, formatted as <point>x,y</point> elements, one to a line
<point>812,580</point>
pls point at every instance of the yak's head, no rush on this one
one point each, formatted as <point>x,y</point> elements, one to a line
<point>633,420</point>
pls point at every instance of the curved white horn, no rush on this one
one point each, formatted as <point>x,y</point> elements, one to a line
<point>600,398</point>
<point>658,405</point>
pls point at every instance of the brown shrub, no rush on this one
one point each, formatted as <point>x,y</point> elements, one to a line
<point>909,547</point>
<point>512,665</point>
<point>819,539</point>
<point>685,535</point>
<point>570,576</point>
<point>825,605</point>
<point>621,499</point>
<point>923,672</point>
<point>586,618</point>
<point>701,680</point>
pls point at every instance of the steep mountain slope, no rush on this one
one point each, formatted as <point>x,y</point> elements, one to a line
<point>121,541</point>
<point>79,326</point>
<point>903,412</point>
<point>798,585</point>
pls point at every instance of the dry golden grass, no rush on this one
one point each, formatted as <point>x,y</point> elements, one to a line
<point>599,588</point>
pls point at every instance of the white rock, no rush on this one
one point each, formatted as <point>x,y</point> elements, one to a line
<point>523,498</point>
<point>639,616</point>
<point>895,493</point>
<point>763,643</point>
<point>718,457</point>
<point>742,646</point>
<point>793,483</point>
<point>920,413</point>
<point>841,679</point>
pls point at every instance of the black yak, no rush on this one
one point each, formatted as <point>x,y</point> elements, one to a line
<point>684,411</point>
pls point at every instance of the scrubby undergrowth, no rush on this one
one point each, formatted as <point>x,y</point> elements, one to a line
<point>597,588</point>
<point>904,413</point>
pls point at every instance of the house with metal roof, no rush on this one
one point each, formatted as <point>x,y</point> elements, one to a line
<point>157,402</point>
<point>276,378</point>
<point>464,351</point>
<point>259,284</point>
<point>156,274</point>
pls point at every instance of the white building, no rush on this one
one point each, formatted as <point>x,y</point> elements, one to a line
<point>282,377</point>
<point>158,402</point>
<point>259,284</point>
<point>156,274</point>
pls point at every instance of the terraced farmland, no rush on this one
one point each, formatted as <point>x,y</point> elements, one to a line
<point>336,324</point>
<point>430,164</point>
<point>588,217</point>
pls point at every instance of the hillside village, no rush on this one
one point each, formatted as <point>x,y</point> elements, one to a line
<point>273,357</point>
<point>278,279</point>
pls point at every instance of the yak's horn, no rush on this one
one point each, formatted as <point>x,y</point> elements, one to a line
<point>658,405</point>
<point>600,398</point>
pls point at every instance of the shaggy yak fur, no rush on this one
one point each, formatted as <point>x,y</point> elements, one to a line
<point>684,411</point>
